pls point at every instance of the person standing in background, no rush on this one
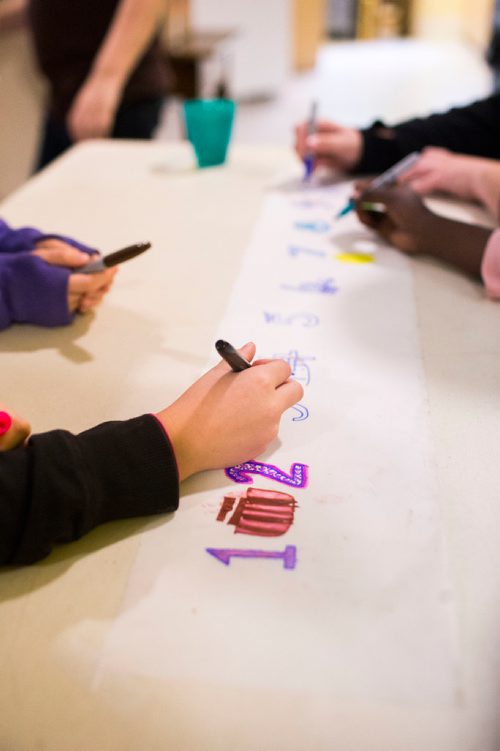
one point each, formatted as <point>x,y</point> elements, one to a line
<point>102,59</point>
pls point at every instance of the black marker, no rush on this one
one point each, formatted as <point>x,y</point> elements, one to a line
<point>119,256</point>
<point>231,356</point>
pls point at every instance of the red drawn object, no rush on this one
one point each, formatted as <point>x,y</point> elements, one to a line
<point>264,513</point>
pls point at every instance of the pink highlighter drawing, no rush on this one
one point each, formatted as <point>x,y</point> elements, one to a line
<point>5,422</point>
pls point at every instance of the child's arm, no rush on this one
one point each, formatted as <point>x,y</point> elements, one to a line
<point>29,238</point>
<point>61,485</point>
<point>472,129</point>
<point>38,287</point>
<point>468,177</point>
<point>408,224</point>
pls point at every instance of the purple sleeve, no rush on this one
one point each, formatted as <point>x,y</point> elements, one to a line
<point>32,291</point>
<point>25,238</point>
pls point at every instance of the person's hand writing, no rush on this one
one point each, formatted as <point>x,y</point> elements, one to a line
<point>85,291</point>
<point>226,418</point>
<point>409,225</point>
<point>332,145</point>
<point>404,222</point>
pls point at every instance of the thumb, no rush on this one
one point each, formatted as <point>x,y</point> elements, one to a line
<point>248,351</point>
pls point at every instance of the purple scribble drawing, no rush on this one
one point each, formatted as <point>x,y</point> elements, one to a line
<point>296,478</point>
<point>224,555</point>
<point>313,226</point>
<point>306,320</point>
<point>298,363</point>
<point>322,286</point>
<point>303,413</point>
<point>295,250</point>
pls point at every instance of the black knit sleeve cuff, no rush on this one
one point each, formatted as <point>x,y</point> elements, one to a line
<point>379,151</point>
<point>69,484</point>
<point>135,466</point>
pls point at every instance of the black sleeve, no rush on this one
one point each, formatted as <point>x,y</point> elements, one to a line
<point>61,485</point>
<point>474,129</point>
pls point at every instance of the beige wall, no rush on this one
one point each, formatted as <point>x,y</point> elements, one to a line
<point>308,30</point>
<point>21,95</point>
<point>467,20</point>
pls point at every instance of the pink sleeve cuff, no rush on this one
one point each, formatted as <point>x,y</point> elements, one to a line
<point>490,266</point>
<point>167,436</point>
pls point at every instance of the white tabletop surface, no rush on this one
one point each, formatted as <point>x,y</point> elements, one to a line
<point>148,341</point>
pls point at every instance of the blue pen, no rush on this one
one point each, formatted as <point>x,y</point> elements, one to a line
<point>386,178</point>
<point>311,130</point>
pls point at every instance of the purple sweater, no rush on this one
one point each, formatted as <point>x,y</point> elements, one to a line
<point>31,290</point>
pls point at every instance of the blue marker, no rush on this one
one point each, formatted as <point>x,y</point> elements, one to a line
<point>386,178</point>
<point>347,208</point>
<point>311,130</point>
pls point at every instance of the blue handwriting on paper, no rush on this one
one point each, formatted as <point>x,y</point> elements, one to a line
<point>306,320</point>
<point>295,250</point>
<point>303,412</point>
<point>300,369</point>
<point>322,286</point>
<point>317,226</point>
<point>310,203</point>
<point>296,478</point>
<point>224,555</point>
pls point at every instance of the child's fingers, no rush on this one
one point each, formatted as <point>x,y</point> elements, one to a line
<point>90,283</point>
<point>361,185</point>
<point>277,371</point>
<point>62,255</point>
<point>289,393</point>
<point>425,184</point>
<point>16,433</point>
<point>247,351</point>
<point>368,218</point>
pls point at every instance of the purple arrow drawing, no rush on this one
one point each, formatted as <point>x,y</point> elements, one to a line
<point>296,478</point>
<point>224,555</point>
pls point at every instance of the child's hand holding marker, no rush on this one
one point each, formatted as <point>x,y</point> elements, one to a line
<point>13,430</point>
<point>409,225</point>
<point>228,417</point>
<point>329,145</point>
<point>84,291</point>
<point>387,178</point>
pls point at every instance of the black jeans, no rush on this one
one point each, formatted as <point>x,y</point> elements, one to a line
<point>132,121</point>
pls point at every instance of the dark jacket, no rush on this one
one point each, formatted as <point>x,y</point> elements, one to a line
<point>61,485</point>
<point>473,129</point>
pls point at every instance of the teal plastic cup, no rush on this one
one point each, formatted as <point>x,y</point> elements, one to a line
<point>209,123</point>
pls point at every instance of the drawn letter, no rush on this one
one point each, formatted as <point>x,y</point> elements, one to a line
<point>303,412</point>
<point>297,478</point>
<point>314,226</point>
<point>224,555</point>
